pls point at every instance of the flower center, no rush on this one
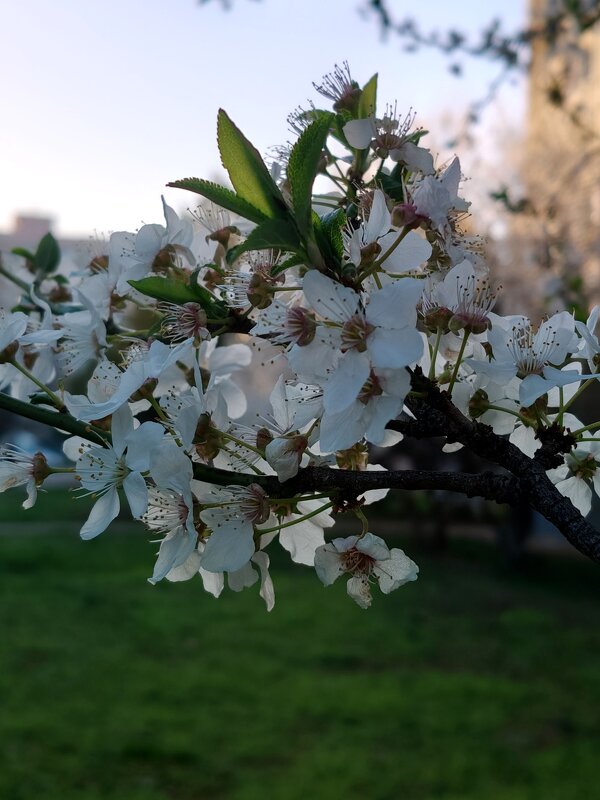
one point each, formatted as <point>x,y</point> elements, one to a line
<point>355,332</point>
<point>357,562</point>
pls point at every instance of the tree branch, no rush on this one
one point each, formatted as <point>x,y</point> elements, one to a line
<point>61,421</point>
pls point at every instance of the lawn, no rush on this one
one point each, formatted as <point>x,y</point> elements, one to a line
<point>474,683</point>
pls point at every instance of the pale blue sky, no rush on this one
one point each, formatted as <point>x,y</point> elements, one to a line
<point>107,100</point>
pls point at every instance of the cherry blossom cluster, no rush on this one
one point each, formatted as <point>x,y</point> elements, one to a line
<point>337,274</point>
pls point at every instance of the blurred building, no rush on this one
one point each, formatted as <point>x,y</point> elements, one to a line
<point>28,229</point>
<point>557,237</point>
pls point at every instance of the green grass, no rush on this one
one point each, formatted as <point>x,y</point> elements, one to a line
<point>471,684</point>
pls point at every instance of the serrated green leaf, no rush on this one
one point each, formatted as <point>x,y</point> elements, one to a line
<point>303,166</point>
<point>293,261</point>
<point>328,233</point>
<point>221,196</point>
<point>367,104</point>
<point>47,255</point>
<point>275,234</point>
<point>247,171</point>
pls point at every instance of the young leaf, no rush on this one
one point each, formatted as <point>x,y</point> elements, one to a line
<point>221,196</point>
<point>392,183</point>
<point>247,171</point>
<point>180,293</point>
<point>328,233</point>
<point>275,234</point>
<point>303,166</point>
<point>367,104</point>
<point>21,251</point>
<point>47,256</point>
<point>164,289</point>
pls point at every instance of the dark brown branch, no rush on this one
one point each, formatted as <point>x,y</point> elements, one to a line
<point>500,488</point>
<point>535,486</point>
<point>60,421</point>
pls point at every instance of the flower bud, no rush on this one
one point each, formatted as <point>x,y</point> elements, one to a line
<point>478,404</point>
<point>405,215</point>
<point>40,469</point>
<point>260,294</point>
<point>164,259</point>
<point>369,253</point>
<point>145,391</point>
<point>263,438</point>
<point>9,352</point>
<point>355,457</point>
<point>438,319</point>
<point>98,264</point>
<point>222,235</point>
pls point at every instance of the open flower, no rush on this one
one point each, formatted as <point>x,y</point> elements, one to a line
<point>104,470</point>
<point>381,335</point>
<point>366,559</point>
<point>18,468</point>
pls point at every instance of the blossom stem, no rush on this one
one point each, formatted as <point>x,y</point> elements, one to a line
<point>434,353</point>
<point>391,249</point>
<point>364,521</point>
<point>156,406</point>
<point>61,421</point>
<point>295,521</point>
<point>581,389</point>
<point>56,401</point>
<point>461,353</point>
<point>241,443</point>
<point>586,428</point>
<point>17,281</point>
<point>492,407</point>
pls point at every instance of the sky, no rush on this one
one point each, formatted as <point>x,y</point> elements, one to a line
<point>105,101</point>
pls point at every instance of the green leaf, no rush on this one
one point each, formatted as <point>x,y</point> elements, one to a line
<point>247,171</point>
<point>367,104</point>
<point>21,251</point>
<point>296,260</point>
<point>221,196</point>
<point>164,289</point>
<point>180,293</point>
<point>47,255</point>
<point>328,233</point>
<point>392,183</point>
<point>303,166</point>
<point>277,234</point>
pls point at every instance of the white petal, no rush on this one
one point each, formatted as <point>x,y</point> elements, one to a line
<point>121,427</point>
<point>229,547</point>
<point>395,571</point>
<point>394,349</point>
<point>242,578</point>
<point>267,590</point>
<point>395,306</point>
<point>328,564</point>
<point>301,541</point>
<point>187,570</point>
<point>359,590</point>
<point>359,132</point>
<point>412,251</point>
<point>105,509</point>
<point>136,492</point>
<point>373,546</point>
<point>578,492</point>
<point>329,298</point>
<point>346,381</point>
<point>379,221</point>
<point>174,551</point>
